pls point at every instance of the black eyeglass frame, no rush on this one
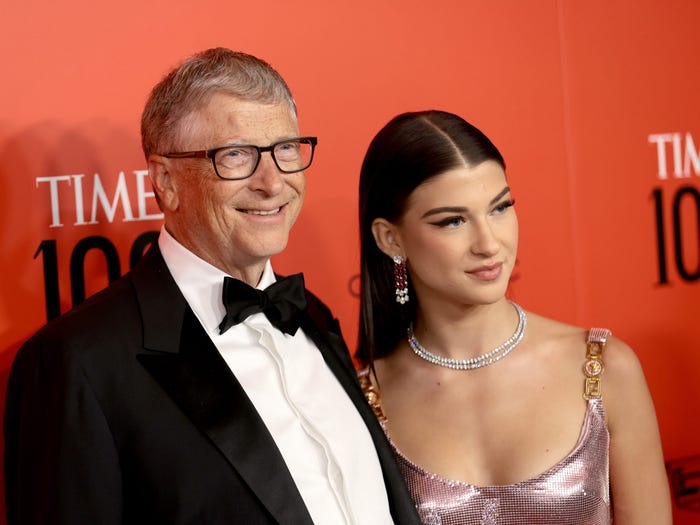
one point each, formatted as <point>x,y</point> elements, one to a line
<point>211,154</point>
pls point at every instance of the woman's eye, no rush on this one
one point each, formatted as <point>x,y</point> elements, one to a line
<point>503,206</point>
<point>451,222</point>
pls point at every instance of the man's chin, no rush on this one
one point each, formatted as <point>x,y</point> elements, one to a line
<point>269,249</point>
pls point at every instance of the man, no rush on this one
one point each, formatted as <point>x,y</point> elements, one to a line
<point>153,402</point>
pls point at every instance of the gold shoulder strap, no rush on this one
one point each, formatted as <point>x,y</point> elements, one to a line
<point>593,367</point>
<point>371,393</point>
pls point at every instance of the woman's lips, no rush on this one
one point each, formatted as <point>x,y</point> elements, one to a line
<point>489,272</point>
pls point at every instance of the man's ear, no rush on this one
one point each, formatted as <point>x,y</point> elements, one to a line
<point>163,183</point>
<point>387,237</point>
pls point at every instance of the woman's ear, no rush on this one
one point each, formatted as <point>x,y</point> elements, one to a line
<point>386,236</point>
<point>162,182</point>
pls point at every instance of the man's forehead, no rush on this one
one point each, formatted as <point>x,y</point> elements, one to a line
<point>222,99</point>
<point>226,119</point>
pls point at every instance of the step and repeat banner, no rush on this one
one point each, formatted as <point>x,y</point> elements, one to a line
<point>594,106</point>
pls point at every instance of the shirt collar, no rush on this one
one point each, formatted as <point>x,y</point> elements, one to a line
<point>200,282</point>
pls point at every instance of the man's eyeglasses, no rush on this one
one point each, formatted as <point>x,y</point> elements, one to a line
<point>239,161</point>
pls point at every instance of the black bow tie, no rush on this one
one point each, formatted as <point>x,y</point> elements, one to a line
<point>282,302</point>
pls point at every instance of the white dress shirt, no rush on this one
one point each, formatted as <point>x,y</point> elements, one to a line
<point>316,427</point>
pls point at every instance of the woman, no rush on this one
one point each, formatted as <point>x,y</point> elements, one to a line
<point>482,400</point>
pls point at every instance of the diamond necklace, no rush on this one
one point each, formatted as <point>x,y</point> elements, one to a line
<point>473,362</point>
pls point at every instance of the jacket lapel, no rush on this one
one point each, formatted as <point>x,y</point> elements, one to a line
<point>187,365</point>
<point>325,332</point>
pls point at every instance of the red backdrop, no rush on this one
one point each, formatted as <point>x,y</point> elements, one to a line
<point>593,104</point>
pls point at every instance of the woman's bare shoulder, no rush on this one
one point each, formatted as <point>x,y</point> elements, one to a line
<point>549,332</point>
<point>618,356</point>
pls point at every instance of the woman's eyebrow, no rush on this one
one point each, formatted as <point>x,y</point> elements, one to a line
<point>462,209</point>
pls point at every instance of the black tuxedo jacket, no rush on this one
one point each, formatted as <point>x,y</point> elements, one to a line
<point>122,411</point>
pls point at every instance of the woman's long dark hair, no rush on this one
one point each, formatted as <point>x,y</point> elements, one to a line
<point>410,149</point>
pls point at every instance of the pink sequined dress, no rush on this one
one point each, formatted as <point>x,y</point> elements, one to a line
<point>575,491</point>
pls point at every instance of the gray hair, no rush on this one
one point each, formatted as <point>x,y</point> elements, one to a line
<point>187,87</point>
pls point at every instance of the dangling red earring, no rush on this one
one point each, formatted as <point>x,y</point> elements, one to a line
<point>400,280</point>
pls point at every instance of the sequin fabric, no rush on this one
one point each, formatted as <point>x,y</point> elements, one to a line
<point>575,491</point>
